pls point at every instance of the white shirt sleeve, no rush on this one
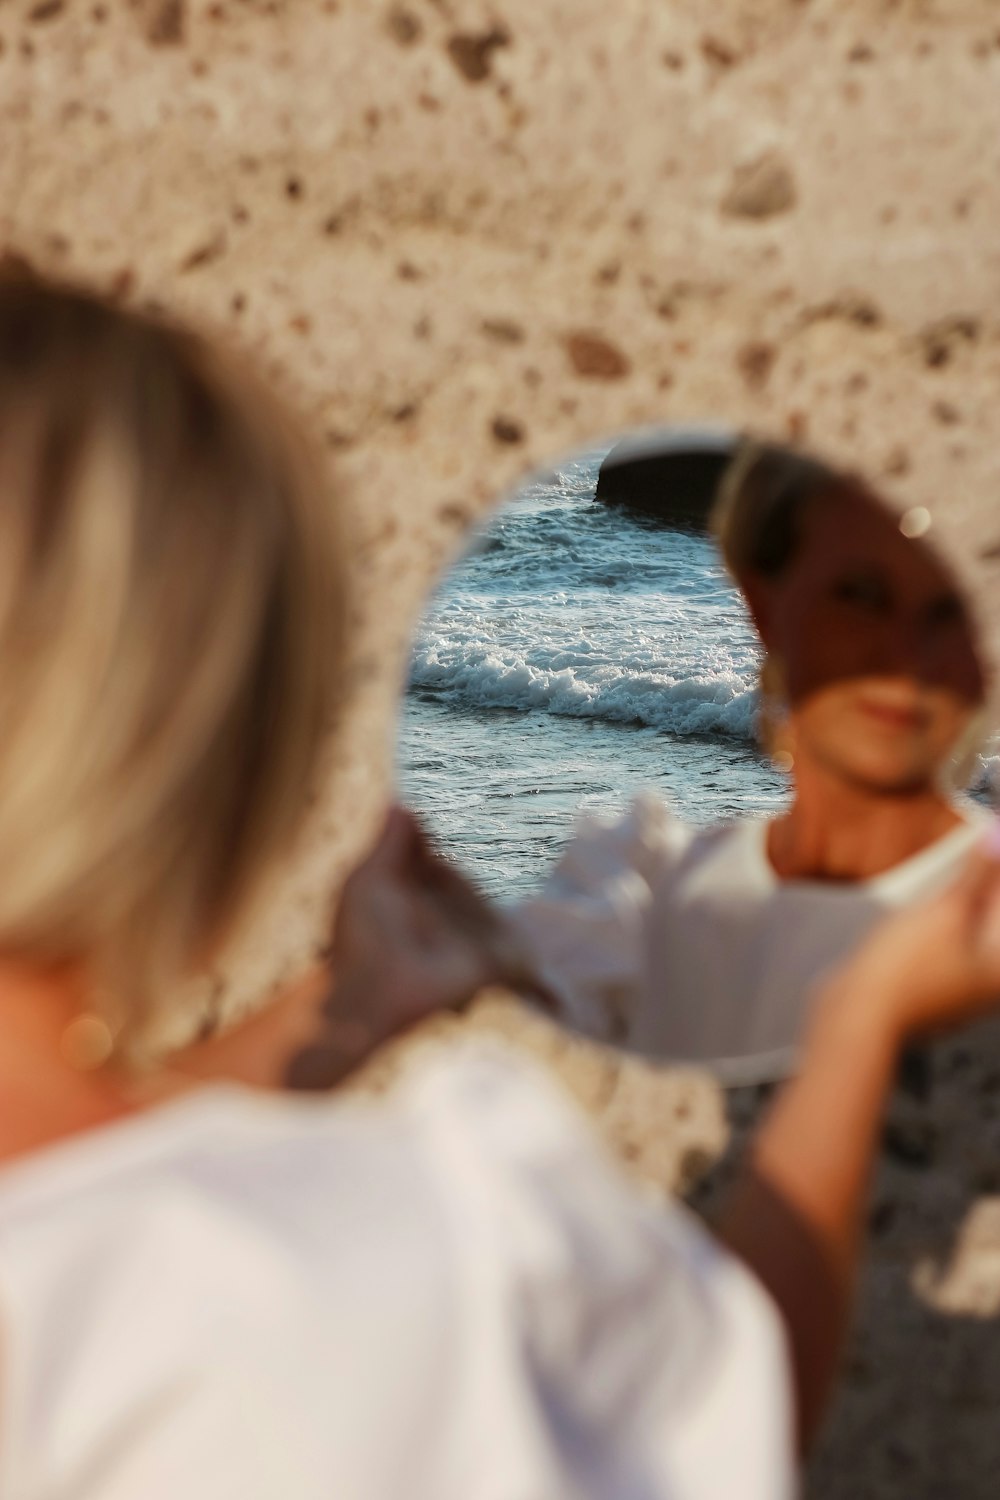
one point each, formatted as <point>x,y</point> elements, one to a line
<point>653,1363</point>
<point>583,933</point>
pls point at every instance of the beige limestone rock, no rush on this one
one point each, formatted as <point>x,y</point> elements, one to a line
<point>761,189</point>
<point>468,234</point>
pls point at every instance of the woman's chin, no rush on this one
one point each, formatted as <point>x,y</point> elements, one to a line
<point>884,765</point>
<point>891,776</point>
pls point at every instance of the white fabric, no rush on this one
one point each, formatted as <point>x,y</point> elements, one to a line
<point>682,943</point>
<point>450,1296</point>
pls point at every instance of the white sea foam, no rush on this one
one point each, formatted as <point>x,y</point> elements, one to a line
<point>565,608</point>
<point>483,678</point>
<point>574,656</point>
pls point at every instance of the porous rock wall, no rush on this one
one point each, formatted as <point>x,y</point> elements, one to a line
<point>469,234</point>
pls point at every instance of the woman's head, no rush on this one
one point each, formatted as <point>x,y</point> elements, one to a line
<point>864,630</point>
<point>169,639</point>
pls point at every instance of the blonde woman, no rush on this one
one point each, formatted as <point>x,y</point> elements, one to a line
<point>219,1290</point>
<point>704,944</point>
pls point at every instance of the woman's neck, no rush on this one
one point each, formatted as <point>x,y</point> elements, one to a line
<point>44,1097</point>
<point>835,831</point>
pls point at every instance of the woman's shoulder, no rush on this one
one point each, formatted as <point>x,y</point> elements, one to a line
<point>650,822</point>
<point>240,1266</point>
<point>225,1207</point>
<point>318,1275</point>
<point>645,843</point>
<point>236,1209</point>
<point>733,849</point>
<point>642,840</point>
<point>220,1161</point>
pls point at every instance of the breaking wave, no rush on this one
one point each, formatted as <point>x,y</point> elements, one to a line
<point>486,679</point>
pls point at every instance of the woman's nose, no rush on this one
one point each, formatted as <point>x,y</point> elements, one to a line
<point>901,648</point>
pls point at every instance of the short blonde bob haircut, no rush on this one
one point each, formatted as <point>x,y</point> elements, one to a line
<point>170,641</point>
<point>758,514</point>
<point>757,519</point>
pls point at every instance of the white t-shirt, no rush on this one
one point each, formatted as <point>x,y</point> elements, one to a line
<point>452,1295</point>
<point>683,944</point>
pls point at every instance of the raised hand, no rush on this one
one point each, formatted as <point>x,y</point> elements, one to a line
<point>412,933</point>
<point>412,936</point>
<point>937,964</point>
<point>797,1213</point>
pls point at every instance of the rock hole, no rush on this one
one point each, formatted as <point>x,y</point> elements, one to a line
<point>472,53</point>
<point>596,358</point>
<point>945,413</point>
<point>755,361</point>
<point>507,430</point>
<point>166,23</point>
<point>718,52</point>
<point>454,514</point>
<point>404,27</point>
<point>47,10</point>
<point>761,189</point>
<point>503,330</point>
<point>202,255</point>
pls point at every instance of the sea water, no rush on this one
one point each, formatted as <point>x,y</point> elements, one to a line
<point>576,655</point>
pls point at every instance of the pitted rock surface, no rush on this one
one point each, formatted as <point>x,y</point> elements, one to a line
<point>466,237</point>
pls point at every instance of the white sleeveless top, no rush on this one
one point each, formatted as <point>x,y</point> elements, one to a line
<point>683,944</point>
<point>452,1295</point>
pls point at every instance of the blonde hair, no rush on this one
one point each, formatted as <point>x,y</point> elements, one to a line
<point>757,522</point>
<point>757,515</point>
<point>170,640</point>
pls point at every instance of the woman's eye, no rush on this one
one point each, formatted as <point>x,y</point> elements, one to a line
<point>949,610</point>
<point>868,593</point>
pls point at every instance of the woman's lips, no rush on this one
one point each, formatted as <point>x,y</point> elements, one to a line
<point>894,715</point>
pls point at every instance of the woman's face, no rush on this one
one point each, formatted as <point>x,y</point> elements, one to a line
<point>879,664</point>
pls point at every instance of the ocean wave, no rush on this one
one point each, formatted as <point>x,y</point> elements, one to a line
<point>986,779</point>
<point>720,705</point>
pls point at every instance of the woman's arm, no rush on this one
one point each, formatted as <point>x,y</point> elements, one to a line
<point>796,1215</point>
<point>412,937</point>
